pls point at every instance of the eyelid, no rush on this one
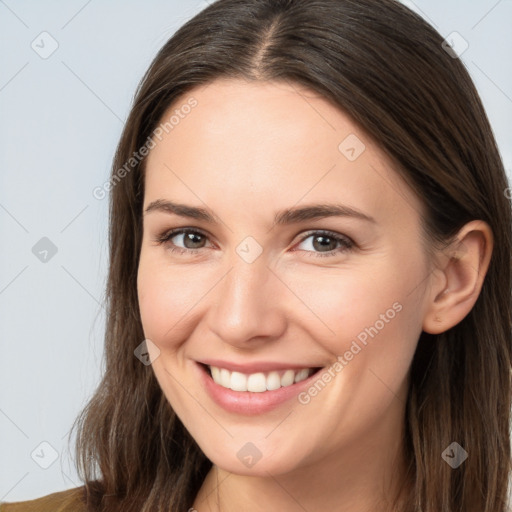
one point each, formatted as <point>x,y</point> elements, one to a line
<point>326,232</point>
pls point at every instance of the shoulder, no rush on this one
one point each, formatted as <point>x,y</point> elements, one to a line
<point>71,500</point>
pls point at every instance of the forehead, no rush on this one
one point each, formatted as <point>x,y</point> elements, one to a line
<point>269,144</point>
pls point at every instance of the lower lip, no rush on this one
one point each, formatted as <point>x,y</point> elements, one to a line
<point>249,402</point>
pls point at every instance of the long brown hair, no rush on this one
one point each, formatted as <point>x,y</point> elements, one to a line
<point>385,67</point>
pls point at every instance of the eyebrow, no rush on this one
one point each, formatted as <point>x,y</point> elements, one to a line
<point>282,217</point>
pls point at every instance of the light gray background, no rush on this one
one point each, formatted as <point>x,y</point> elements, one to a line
<point>61,118</point>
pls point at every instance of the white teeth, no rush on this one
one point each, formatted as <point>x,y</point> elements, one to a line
<point>273,381</point>
<point>225,378</point>
<point>257,382</point>
<point>238,382</point>
<point>215,373</point>
<point>287,378</point>
<point>301,375</point>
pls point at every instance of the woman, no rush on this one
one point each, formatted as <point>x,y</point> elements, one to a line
<point>309,287</point>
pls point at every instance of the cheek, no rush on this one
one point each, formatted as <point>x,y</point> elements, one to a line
<point>376,325</point>
<point>166,298</point>
<point>349,305</point>
<point>370,318</point>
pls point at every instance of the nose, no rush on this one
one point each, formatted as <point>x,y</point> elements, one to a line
<point>248,307</point>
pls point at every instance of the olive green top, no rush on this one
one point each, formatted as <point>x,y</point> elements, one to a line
<point>63,501</point>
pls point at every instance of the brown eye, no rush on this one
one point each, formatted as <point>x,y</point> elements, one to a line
<point>185,240</point>
<point>326,244</point>
<point>193,240</point>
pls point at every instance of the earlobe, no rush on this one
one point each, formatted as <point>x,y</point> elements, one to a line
<point>463,266</point>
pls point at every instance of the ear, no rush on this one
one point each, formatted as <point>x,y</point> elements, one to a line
<point>459,277</point>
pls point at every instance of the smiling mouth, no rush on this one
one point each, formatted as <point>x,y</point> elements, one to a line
<point>258,382</point>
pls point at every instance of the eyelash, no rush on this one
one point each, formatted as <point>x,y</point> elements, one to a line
<point>346,243</point>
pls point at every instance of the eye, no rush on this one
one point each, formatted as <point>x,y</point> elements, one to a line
<point>327,243</point>
<point>191,238</point>
<point>323,243</point>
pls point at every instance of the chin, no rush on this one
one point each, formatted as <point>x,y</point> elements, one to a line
<point>249,460</point>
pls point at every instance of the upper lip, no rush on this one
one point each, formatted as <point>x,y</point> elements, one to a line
<point>255,367</point>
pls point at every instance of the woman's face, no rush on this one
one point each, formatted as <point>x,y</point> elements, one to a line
<point>301,249</point>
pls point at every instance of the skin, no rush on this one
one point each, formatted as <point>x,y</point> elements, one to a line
<point>244,152</point>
